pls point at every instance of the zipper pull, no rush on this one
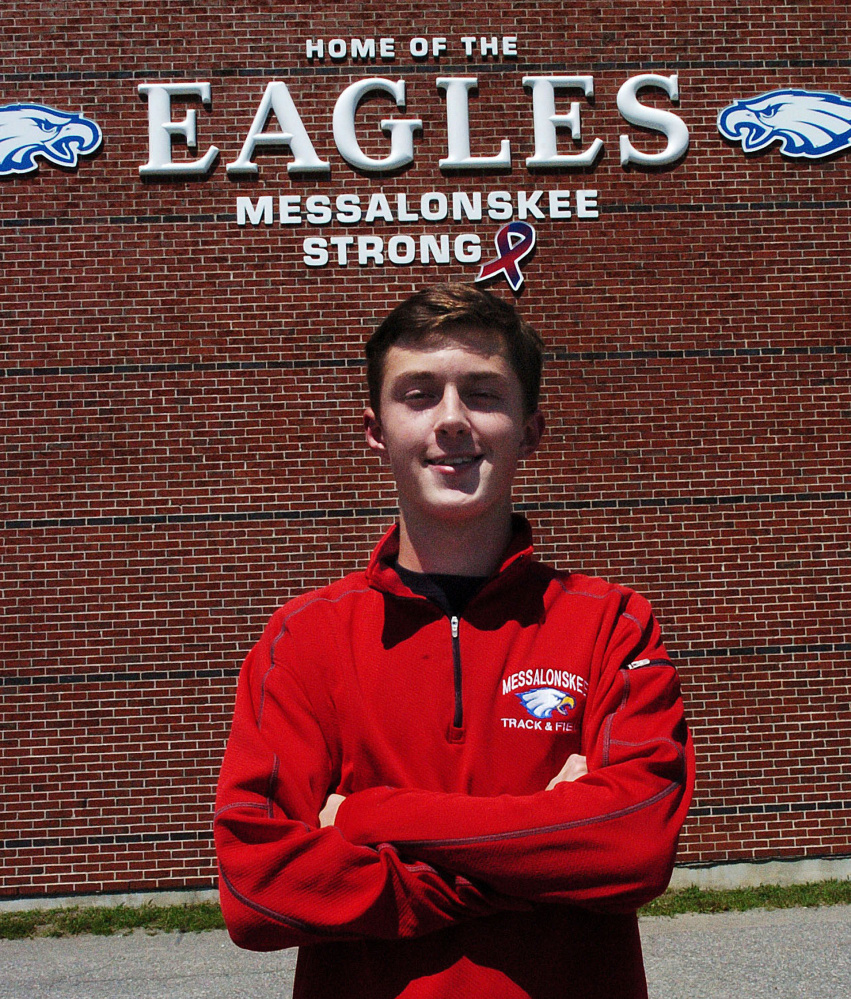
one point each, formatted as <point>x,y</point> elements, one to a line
<point>453,624</point>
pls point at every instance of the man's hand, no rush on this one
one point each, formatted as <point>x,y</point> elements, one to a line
<point>575,767</point>
<point>329,810</point>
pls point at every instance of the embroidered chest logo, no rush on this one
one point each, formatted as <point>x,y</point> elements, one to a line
<point>551,700</point>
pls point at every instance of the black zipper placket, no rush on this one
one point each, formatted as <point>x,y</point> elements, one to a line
<point>454,626</point>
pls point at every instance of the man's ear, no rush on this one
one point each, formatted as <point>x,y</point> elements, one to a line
<point>532,432</point>
<point>372,430</point>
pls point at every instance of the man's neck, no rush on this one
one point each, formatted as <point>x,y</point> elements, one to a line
<point>465,549</point>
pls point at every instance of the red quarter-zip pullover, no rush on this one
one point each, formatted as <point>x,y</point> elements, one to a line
<point>450,871</point>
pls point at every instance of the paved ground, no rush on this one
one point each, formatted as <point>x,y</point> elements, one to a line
<point>781,954</point>
<point>751,955</point>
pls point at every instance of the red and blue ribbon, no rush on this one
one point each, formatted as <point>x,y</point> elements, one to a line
<point>514,241</point>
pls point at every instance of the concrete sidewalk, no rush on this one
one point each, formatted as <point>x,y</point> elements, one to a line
<point>751,955</point>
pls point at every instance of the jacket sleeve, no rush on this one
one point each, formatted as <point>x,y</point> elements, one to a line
<point>606,841</point>
<point>285,882</point>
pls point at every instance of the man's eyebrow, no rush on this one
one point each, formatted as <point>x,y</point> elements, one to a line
<point>415,376</point>
<point>470,376</point>
<point>482,376</point>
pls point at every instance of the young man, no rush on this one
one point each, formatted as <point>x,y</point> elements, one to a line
<point>460,771</point>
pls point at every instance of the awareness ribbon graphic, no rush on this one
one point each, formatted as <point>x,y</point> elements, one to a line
<point>514,241</point>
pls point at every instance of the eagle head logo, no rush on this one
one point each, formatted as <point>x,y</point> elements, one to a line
<point>541,702</point>
<point>805,123</point>
<point>30,130</point>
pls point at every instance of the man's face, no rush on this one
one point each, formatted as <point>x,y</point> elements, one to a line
<point>452,427</point>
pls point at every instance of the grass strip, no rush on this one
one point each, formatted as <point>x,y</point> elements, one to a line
<point>705,900</point>
<point>201,916</point>
<point>98,921</point>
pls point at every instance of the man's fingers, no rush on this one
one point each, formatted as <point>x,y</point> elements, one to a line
<point>575,767</point>
<point>329,810</point>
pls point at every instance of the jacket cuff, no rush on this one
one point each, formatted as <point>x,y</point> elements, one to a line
<point>353,815</point>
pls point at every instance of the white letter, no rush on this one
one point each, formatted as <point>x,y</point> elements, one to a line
<point>666,122</point>
<point>429,247</point>
<point>378,208</point>
<point>401,249</point>
<point>463,206</point>
<point>559,204</point>
<point>527,206</point>
<point>277,99</point>
<point>348,208</point>
<point>337,48</point>
<point>490,46</point>
<point>499,205</point>
<point>509,46</point>
<point>263,211</point>
<point>458,128</point>
<point>318,209</point>
<point>289,209</point>
<point>402,209</point>
<point>441,209</point>
<point>315,254</point>
<point>419,47</point>
<point>342,242</point>
<point>586,205</point>
<point>438,46</point>
<point>468,248</point>
<point>363,49</point>
<point>546,121</point>
<point>468,42</point>
<point>314,49</point>
<point>161,130</point>
<point>369,248</point>
<point>401,132</point>
<point>387,48</point>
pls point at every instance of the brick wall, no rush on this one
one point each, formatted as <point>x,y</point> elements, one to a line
<point>181,399</point>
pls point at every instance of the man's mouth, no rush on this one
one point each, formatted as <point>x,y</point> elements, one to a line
<point>456,461</point>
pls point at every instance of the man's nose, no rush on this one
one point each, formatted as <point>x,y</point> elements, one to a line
<point>452,414</point>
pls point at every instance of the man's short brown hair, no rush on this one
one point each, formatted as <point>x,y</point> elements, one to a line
<point>429,315</point>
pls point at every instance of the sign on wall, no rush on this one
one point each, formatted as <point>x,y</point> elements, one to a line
<point>803,124</point>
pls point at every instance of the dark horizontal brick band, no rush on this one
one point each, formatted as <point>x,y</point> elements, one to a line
<point>783,808</point>
<point>153,676</point>
<point>343,513</point>
<point>362,513</point>
<point>675,501</point>
<point>193,367</point>
<point>746,651</point>
<point>333,363</point>
<point>205,837</point>
<point>637,208</point>
<point>117,839</point>
<point>511,67</point>
<point>118,676</point>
